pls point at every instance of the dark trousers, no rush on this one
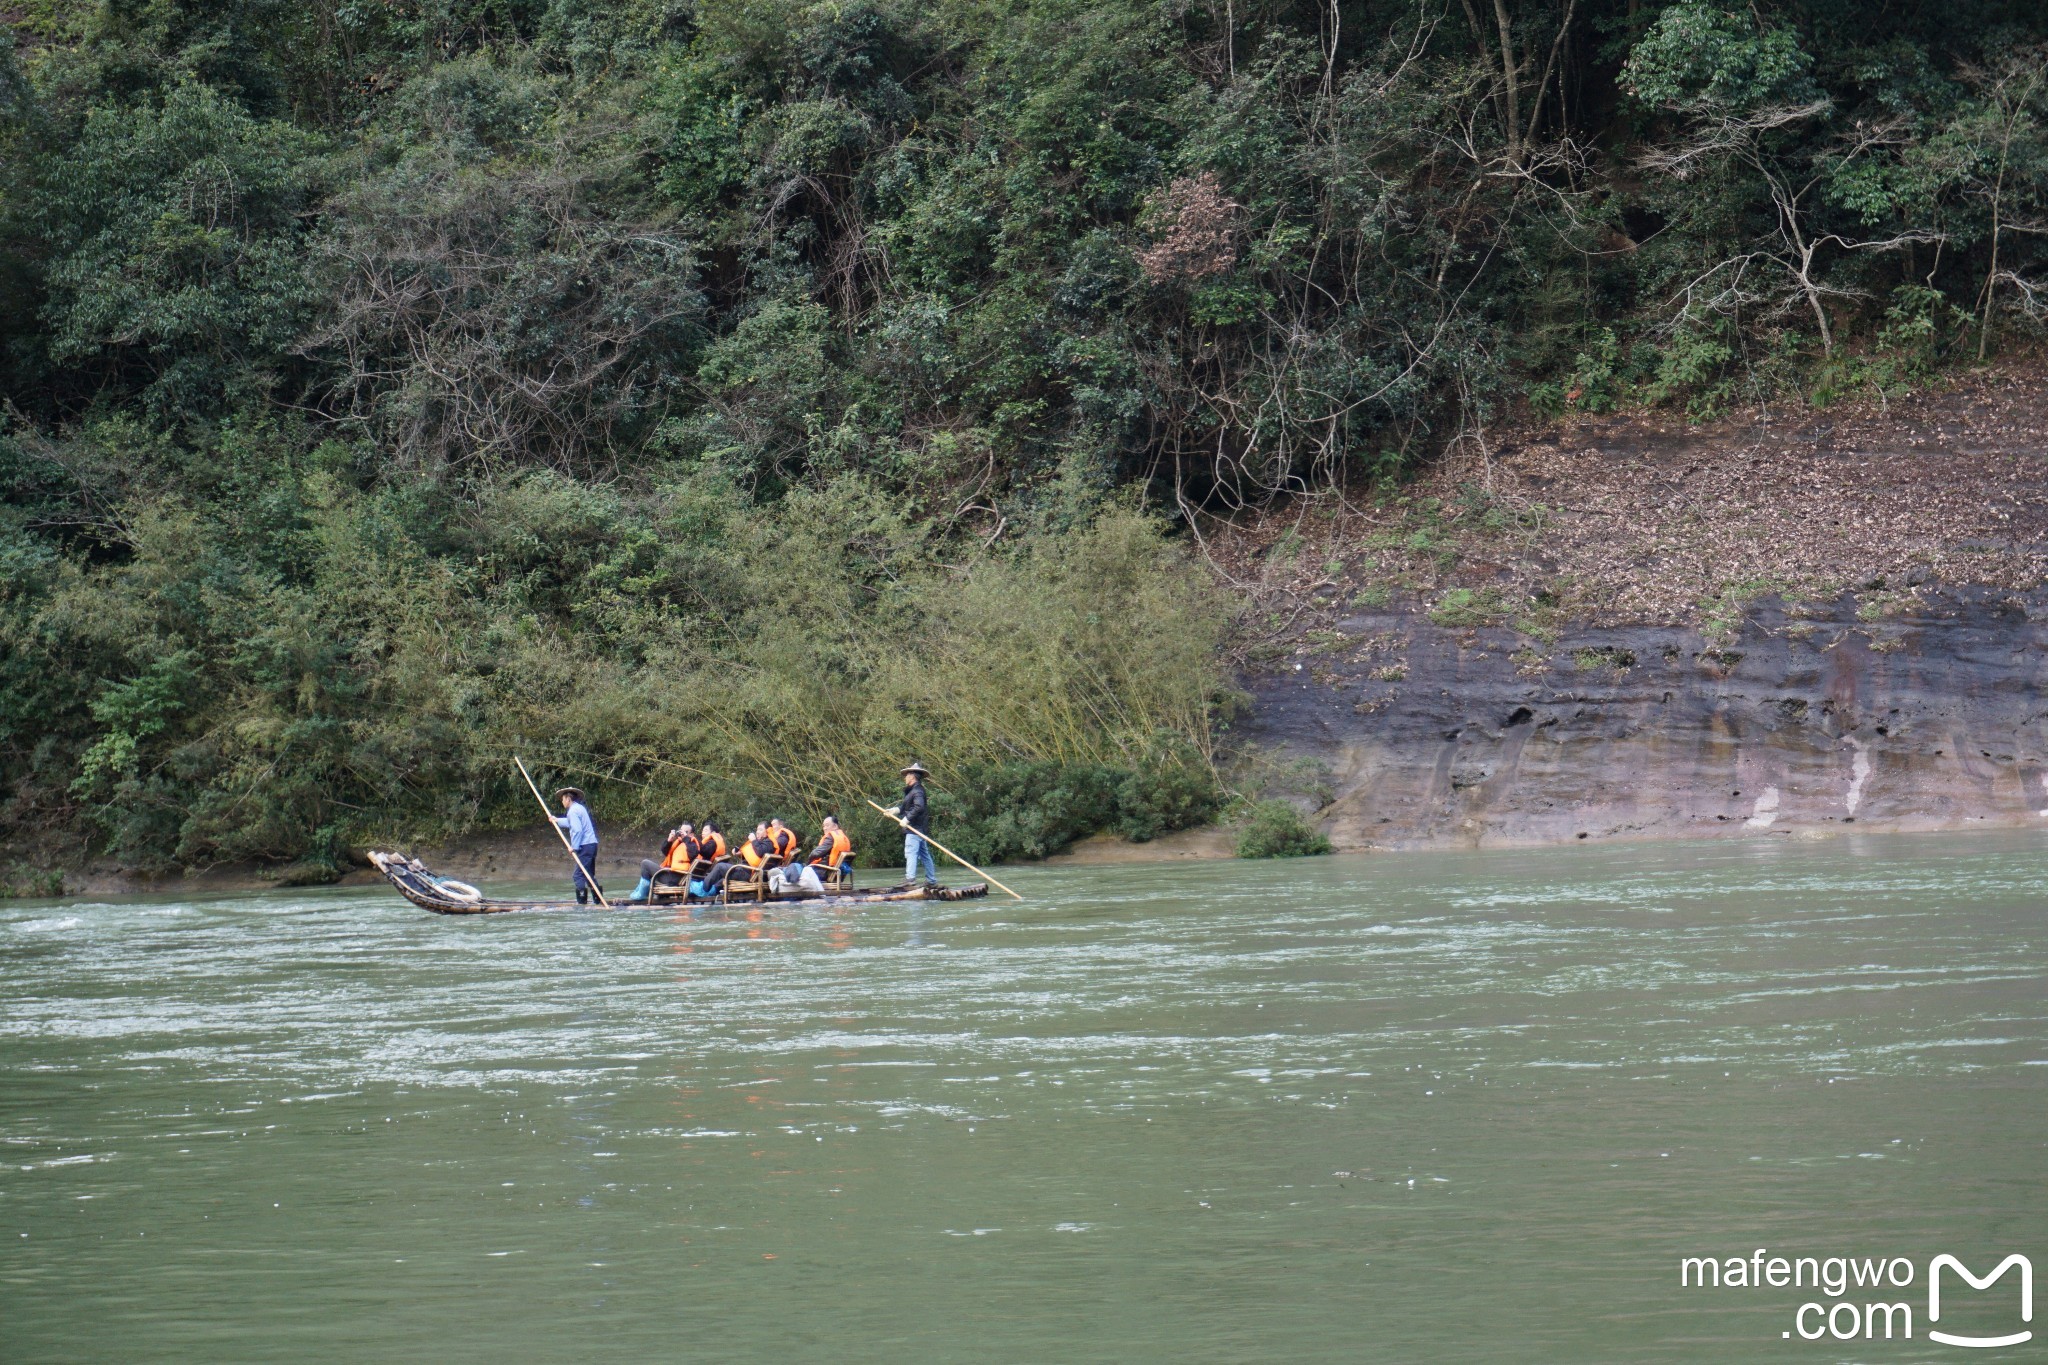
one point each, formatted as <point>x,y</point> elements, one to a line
<point>585,877</point>
<point>654,874</point>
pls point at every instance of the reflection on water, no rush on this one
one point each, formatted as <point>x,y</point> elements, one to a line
<point>1423,1107</point>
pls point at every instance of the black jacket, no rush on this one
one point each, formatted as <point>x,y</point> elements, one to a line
<point>916,810</point>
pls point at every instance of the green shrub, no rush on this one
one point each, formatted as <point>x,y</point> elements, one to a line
<point>31,884</point>
<point>1030,810</point>
<point>1275,829</point>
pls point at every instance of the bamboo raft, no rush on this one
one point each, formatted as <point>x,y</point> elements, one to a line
<point>445,896</point>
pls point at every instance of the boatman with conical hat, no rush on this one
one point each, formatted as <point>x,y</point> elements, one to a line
<point>915,811</point>
<point>582,833</point>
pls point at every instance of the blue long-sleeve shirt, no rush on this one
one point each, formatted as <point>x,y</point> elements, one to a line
<point>582,829</point>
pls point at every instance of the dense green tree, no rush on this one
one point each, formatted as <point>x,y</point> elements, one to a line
<point>172,247</point>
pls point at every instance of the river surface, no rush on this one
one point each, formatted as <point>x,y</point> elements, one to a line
<point>1413,1107</point>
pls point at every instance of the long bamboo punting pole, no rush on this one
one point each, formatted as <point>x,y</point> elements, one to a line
<point>943,849</point>
<point>589,873</point>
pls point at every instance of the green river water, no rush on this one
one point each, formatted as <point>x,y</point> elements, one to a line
<point>1415,1107</point>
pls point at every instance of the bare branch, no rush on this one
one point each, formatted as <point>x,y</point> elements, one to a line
<point>1730,134</point>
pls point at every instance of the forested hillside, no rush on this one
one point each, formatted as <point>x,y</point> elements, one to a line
<point>721,403</point>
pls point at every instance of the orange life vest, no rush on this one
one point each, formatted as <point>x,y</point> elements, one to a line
<point>841,849</point>
<point>756,851</point>
<point>713,846</point>
<point>786,843</point>
<point>681,854</point>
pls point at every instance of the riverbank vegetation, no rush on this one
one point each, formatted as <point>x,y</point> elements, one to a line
<point>722,402</point>
<point>1274,829</point>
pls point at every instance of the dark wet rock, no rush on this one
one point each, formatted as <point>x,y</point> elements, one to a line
<point>1815,720</point>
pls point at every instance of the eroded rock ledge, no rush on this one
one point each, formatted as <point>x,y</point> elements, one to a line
<point>1810,719</point>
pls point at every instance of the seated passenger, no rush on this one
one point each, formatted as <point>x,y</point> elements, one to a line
<point>710,850</point>
<point>787,844</point>
<point>754,853</point>
<point>674,865</point>
<point>758,849</point>
<point>683,850</point>
<point>834,852</point>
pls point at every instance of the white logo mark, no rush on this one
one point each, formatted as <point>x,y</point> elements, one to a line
<point>1934,1298</point>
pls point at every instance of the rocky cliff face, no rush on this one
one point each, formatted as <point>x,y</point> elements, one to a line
<point>1813,718</point>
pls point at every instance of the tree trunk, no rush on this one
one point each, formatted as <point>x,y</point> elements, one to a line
<point>1511,74</point>
<point>1991,276</point>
